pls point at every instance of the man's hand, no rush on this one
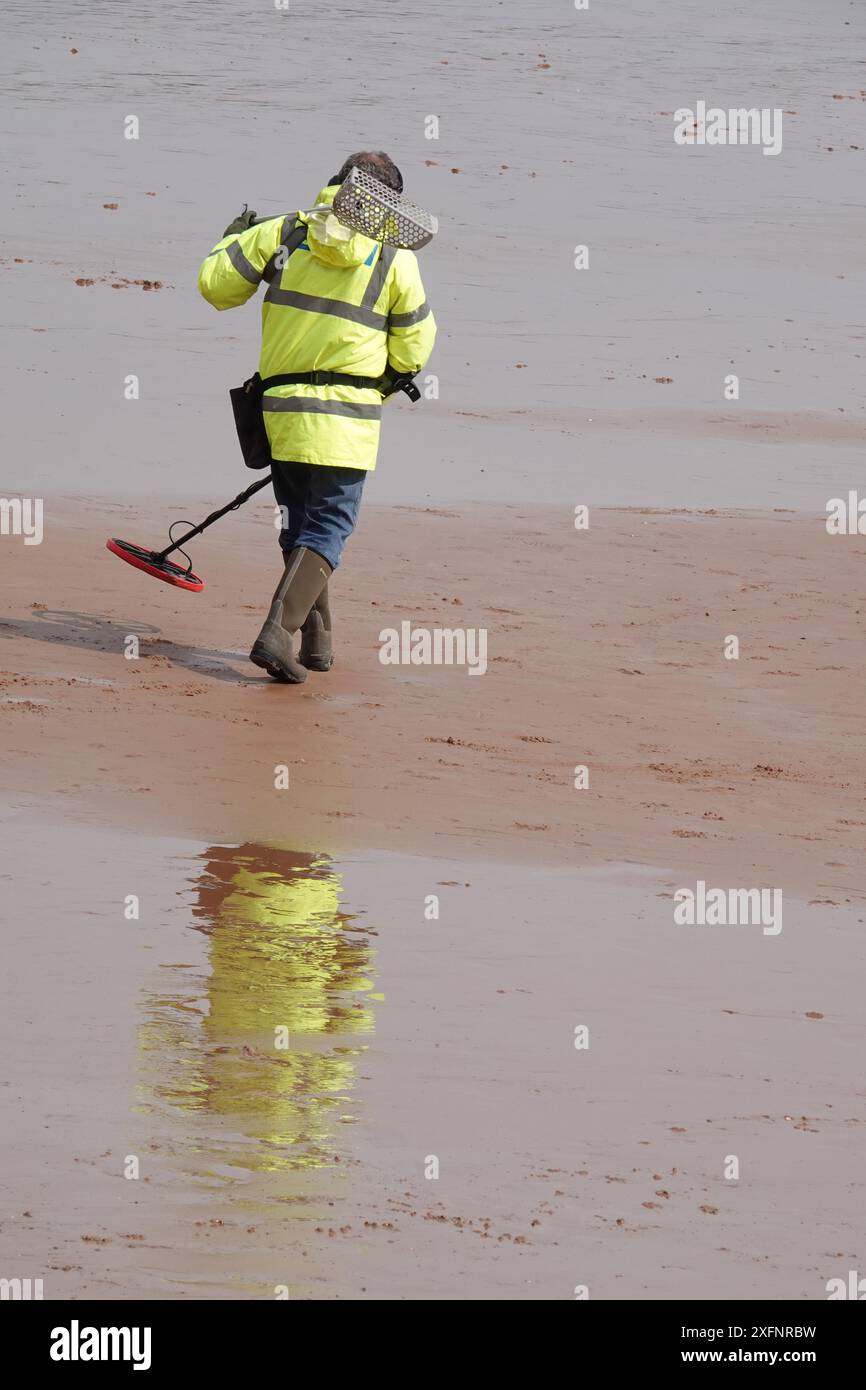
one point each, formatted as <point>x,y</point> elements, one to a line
<point>241,223</point>
<point>394,381</point>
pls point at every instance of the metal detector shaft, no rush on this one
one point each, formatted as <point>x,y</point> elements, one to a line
<point>305,212</point>
<point>215,516</point>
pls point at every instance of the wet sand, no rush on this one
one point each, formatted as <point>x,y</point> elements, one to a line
<point>413,1038</point>
<point>605,649</point>
<point>307,1169</point>
<point>451,1038</point>
<point>603,386</point>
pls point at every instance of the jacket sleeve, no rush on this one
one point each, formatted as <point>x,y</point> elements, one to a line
<point>233,270</point>
<point>411,325</point>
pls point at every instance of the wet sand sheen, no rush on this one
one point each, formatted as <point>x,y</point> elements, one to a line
<point>412,1039</point>
<point>702,261</point>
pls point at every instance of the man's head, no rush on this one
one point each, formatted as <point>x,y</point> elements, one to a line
<point>375,162</point>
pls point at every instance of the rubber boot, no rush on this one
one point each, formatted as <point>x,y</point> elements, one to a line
<point>316,653</point>
<point>304,577</point>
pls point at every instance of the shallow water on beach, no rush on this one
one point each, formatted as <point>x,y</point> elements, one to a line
<point>286,1042</point>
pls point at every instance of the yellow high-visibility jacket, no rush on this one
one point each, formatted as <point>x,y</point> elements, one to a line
<point>281,953</point>
<point>340,303</point>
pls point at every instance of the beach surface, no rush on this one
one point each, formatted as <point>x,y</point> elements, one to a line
<point>372,987</point>
<point>450,1037</point>
<point>606,649</point>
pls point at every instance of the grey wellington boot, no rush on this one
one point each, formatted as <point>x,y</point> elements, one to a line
<point>315,651</point>
<point>304,577</point>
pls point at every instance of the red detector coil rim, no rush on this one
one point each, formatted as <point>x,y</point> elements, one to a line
<point>151,563</point>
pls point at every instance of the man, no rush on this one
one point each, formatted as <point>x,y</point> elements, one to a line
<point>349,314</point>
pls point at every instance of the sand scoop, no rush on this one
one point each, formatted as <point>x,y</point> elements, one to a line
<point>365,205</point>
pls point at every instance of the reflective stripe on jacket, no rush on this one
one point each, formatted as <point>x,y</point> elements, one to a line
<point>340,303</point>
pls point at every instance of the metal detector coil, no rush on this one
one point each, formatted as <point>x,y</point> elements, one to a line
<point>152,562</point>
<point>157,563</point>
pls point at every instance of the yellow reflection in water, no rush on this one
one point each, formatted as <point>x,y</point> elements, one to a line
<point>283,957</point>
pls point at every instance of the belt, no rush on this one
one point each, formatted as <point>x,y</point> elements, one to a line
<point>367,383</point>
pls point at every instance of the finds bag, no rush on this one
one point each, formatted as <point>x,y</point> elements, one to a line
<point>249,422</point>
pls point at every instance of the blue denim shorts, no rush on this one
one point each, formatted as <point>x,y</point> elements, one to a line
<point>320,506</point>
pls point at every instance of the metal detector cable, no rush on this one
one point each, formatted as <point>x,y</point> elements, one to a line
<point>181,522</point>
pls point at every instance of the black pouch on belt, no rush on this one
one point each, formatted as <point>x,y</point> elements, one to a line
<point>249,423</point>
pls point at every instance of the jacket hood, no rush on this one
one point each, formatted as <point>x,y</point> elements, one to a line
<point>331,242</point>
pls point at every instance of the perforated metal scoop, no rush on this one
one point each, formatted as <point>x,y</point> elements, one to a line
<point>365,205</point>
<point>370,207</point>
